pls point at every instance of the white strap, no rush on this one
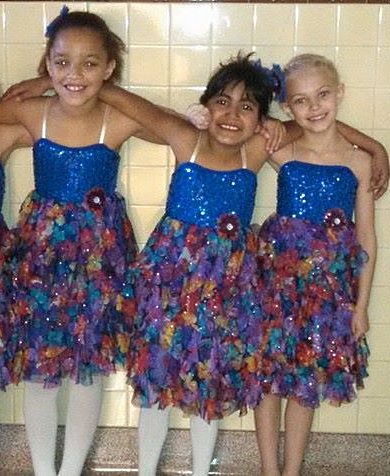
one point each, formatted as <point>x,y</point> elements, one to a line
<point>196,150</point>
<point>244,160</point>
<point>104,125</point>
<point>44,119</point>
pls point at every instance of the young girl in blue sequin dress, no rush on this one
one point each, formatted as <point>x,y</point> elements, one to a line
<point>315,276</point>
<point>72,308</point>
<point>197,320</point>
<point>11,137</point>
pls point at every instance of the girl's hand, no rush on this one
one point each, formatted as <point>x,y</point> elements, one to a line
<point>380,173</point>
<point>198,115</point>
<point>274,132</point>
<point>27,89</point>
<point>359,323</point>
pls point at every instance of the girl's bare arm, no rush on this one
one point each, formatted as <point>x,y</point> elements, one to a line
<point>171,128</point>
<point>365,228</point>
<point>13,137</point>
<point>380,159</point>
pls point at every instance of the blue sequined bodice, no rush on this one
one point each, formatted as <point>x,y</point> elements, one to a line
<point>308,191</point>
<point>2,185</point>
<point>68,173</point>
<point>200,195</point>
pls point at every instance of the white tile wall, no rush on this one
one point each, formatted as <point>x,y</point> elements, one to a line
<point>186,41</point>
<point>319,30</point>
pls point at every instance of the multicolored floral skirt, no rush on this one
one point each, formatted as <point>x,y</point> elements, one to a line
<point>198,320</point>
<point>309,278</point>
<point>6,245</point>
<point>73,303</point>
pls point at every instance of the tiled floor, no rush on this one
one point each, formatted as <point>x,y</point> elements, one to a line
<point>114,453</point>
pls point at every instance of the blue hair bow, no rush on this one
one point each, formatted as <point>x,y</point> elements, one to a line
<point>51,26</point>
<point>276,78</point>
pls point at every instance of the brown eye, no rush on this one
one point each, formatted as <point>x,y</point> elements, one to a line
<point>247,107</point>
<point>222,101</point>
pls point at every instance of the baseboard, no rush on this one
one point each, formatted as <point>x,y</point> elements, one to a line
<point>114,451</point>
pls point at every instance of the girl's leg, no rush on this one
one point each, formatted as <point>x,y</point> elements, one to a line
<point>203,438</point>
<point>152,431</point>
<point>82,419</point>
<point>267,421</point>
<point>298,420</point>
<point>40,414</point>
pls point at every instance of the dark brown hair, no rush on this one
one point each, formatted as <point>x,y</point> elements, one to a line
<point>113,45</point>
<point>241,69</point>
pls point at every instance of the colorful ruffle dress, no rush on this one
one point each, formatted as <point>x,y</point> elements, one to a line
<point>72,302</point>
<point>197,311</point>
<point>5,284</point>
<point>309,263</point>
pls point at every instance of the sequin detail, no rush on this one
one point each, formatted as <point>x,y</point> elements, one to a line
<point>75,171</point>
<point>200,196</point>
<point>198,318</point>
<point>308,190</point>
<point>309,272</point>
<point>73,302</point>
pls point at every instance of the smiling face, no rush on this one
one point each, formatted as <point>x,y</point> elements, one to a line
<point>234,115</point>
<point>78,65</point>
<point>313,97</point>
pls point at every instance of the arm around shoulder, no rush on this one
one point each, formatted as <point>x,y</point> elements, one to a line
<point>12,137</point>
<point>169,127</point>
<point>27,113</point>
<point>380,159</point>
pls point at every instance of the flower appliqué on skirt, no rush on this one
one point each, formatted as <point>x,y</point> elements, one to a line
<point>228,226</point>
<point>96,198</point>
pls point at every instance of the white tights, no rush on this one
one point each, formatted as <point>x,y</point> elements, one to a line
<point>40,413</point>
<point>152,431</point>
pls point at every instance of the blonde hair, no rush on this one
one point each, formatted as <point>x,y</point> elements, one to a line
<point>310,60</point>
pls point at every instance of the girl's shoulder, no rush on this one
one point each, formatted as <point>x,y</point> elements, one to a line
<point>27,113</point>
<point>31,113</point>
<point>190,142</point>
<point>34,104</point>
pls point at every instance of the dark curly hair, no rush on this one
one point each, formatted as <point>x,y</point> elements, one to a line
<point>241,69</point>
<point>113,45</point>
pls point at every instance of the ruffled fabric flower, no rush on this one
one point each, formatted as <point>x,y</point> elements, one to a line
<point>335,218</point>
<point>197,326</point>
<point>73,300</point>
<point>228,226</point>
<point>7,246</point>
<point>308,286</point>
<point>96,198</point>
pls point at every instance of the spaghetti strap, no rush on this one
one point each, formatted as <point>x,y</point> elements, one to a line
<point>244,160</point>
<point>293,146</point>
<point>104,125</point>
<point>44,119</point>
<point>196,150</point>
